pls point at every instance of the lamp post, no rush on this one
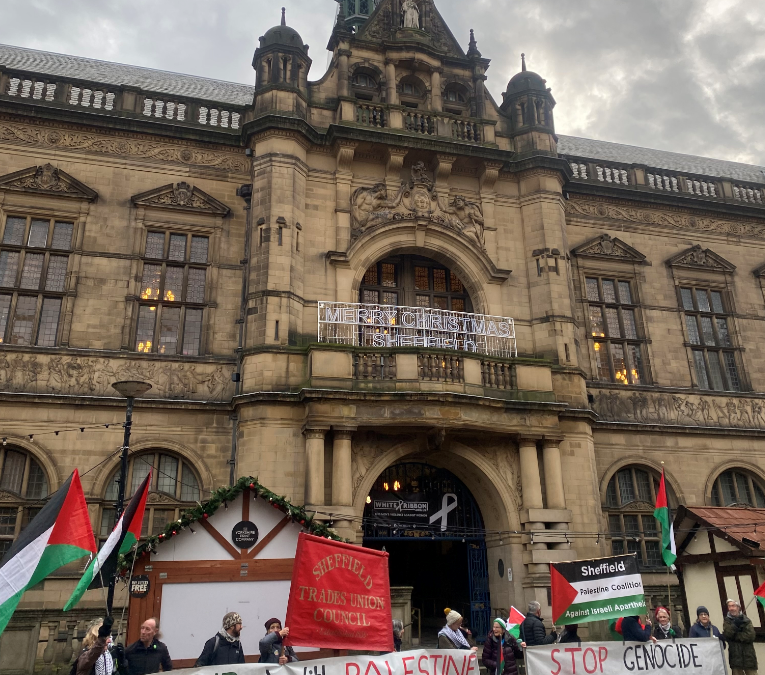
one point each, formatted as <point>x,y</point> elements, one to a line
<point>131,390</point>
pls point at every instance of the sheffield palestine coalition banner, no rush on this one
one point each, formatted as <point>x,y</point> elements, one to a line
<point>679,657</point>
<point>591,590</point>
<point>339,597</point>
<point>418,662</point>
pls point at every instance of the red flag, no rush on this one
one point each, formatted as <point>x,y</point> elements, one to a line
<point>339,597</point>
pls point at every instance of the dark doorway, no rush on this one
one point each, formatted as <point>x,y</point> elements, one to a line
<point>438,572</point>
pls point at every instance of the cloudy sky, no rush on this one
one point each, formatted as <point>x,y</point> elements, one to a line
<point>682,75</point>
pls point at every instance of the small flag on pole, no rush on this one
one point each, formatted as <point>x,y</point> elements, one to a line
<point>514,622</point>
<point>126,532</point>
<point>760,595</point>
<point>61,533</point>
<point>661,513</point>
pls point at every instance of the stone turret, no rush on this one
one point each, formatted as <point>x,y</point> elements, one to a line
<point>282,60</point>
<point>528,103</point>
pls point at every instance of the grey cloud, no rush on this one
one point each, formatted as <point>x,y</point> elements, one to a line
<point>685,75</point>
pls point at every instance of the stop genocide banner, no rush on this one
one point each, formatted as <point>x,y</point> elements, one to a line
<point>679,657</point>
<point>339,597</point>
<point>591,590</point>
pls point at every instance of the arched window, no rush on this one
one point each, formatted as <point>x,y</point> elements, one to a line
<point>364,80</point>
<point>25,486</point>
<point>413,281</point>
<point>174,488</point>
<point>630,502</point>
<point>737,488</point>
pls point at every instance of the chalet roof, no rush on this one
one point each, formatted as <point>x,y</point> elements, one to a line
<point>733,523</point>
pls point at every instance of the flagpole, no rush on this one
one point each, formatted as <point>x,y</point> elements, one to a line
<point>130,390</point>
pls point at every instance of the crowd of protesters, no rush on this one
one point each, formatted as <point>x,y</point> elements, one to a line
<point>501,648</point>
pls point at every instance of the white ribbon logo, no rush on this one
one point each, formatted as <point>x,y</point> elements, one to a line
<point>448,503</point>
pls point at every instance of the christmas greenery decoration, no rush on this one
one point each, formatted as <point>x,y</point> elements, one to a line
<point>221,497</point>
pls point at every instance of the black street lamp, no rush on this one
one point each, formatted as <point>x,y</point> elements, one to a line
<point>131,390</point>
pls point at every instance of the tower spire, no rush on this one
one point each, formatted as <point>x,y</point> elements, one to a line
<point>473,45</point>
<point>284,16</point>
<point>523,63</point>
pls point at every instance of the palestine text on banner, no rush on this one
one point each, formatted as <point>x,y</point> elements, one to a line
<point>339,597</point>
<point>592,590</point>
<point>679,657</point>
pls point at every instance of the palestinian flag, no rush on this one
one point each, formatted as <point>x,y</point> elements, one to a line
<point>661,513</point>
<point>126,532</point>
<point>760,595</point>
<point>61,533</point>
<point>593,590</point>
<point>514,622</point>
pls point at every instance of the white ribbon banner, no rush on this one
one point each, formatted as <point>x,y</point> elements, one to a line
<point>417,662</point>
<point>679,657</point>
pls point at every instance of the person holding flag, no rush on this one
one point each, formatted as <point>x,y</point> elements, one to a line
<point>501,650</point>
<point>125,534</point>
<point>661,513</point>
<point>61,533</point>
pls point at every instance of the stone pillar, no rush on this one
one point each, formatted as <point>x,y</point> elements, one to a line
<point>532,484</point>
<point>435,91</point>
<point>342,72</point>
<point>314,466</point>
<point>556,498</point>
<point>390,80</point>
<point>343,181</point>
<point>342,479</point>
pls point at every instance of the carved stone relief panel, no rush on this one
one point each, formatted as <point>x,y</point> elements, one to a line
<point>82,376</point>
<point>681,409</point>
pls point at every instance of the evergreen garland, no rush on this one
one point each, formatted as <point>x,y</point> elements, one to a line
<point>221,497</point>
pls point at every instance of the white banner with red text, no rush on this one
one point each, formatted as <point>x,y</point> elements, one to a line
<point>679,657</point>
<point>418,662</point>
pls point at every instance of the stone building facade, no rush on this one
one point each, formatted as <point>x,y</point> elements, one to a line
<point>188,232</point>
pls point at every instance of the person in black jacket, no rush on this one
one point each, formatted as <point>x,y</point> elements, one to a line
<point>533,630</point>
<point>148,654</point>
<point>224,647</point>
<point>634,631</point>
<point>570,634</point>
<point>271,645</point>
<point>703,627</point>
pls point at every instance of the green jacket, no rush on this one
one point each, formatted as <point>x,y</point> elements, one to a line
<point>739,633</point>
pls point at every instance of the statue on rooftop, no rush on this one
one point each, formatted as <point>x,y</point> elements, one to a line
<point>411,14</point>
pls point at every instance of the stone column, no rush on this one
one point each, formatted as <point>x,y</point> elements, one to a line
<point>532,496</point>
<point>314,466</point>
<point>435,90</point>
<point>390,81</point>
<point>556,498</point>
<point>342,72</point>
<point>342,479</point>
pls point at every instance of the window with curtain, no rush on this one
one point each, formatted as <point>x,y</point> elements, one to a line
<point>34,259</point>
<point>630,502</point>
<point>174,482</point>
<point>26,485</point>
<point>172,294</point>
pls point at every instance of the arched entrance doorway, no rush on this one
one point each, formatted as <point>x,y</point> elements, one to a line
<point>430,524</point>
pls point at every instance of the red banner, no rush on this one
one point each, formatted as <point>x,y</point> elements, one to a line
<point>339,597</point>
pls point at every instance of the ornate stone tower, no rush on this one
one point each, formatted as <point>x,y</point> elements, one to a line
<point>354,13</point>
<point>529,103</point>
<point>281,60</point>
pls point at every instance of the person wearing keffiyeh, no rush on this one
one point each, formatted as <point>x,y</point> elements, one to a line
<point>452,635</point>
<point>95,658</point>
<point>501,650</point>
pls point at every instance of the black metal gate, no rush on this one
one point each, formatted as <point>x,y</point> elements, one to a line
<point>459,519</point>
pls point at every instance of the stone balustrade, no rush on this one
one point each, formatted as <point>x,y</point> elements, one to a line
<point>117,101</point>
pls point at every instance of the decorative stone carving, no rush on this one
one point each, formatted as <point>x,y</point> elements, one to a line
<point>677,221</point>
<point>679,409</point>
<point>411,14</point>
<point>129,147</point>
<point>82,376</point>
<point>701,258</point>
<point>606,247</point>
<point>47,179</point>
<point>367,449</point>
<point>416,199</point>
<point>181,196</point>
<point>160,498</point>
<point>6,496</point>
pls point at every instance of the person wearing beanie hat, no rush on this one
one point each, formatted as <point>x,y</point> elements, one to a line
<point>501,650</point>
<point>453,635</point>
<point>664,629</point>
<point>225,647</point>
<point>272,649</point>
<point>703,627</point>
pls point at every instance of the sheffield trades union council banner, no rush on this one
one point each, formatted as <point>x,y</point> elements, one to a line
<point>591,590</point>
<point>360,325</point>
